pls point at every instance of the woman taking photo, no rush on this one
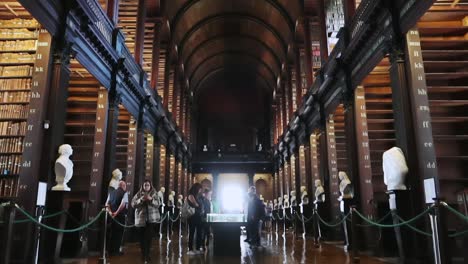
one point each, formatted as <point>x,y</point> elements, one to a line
<point>195,221</point>
<point>146,206</point>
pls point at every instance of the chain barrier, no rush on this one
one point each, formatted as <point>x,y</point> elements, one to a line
<point>395,225</point>
<point>119,223</point>
<point>43,217</point>
<point>177,218</point>
<point>304,219</point>
<point>336,224</point>
<point>279,218</point>
<point>58,229</point>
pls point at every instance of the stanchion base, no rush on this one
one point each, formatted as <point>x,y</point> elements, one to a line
<point>103,261</point>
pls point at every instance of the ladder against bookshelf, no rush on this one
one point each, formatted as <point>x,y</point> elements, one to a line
<point>443,32</point>
<point>18,44</point>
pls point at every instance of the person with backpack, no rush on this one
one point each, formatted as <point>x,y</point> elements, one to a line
<point>146,204</point>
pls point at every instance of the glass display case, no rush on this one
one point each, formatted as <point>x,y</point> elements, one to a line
<point>226,218</point>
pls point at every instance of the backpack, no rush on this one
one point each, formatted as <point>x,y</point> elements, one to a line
<point>186,211</point>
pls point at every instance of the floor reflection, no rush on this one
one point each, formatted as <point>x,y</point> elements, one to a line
<point>274,249</point>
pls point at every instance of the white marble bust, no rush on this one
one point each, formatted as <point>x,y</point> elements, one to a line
<point>280,202</point>
<point>275,204</point>
<point>116,177</point>
<point>346,189</point>
<point>161,192</point>
<point>170,201</point>
<point>394,169</point>
<point>319,192</point>
<point>286,201</point>
<point>180,201</point>
<point>63,168</point>
<point>304,196</point>
<point>293,198</point>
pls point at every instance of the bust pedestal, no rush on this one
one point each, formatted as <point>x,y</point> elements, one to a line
<point>345,205</point>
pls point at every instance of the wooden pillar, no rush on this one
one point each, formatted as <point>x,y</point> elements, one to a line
<point>298,71</point>
<point>155,54</point>
<point>308,53</point>
<point>322,31</point>
<point>149,161</point>
<point>331,178</point>
<point>140,149</point>
<point>156,162</point>
<point>131,153</point>
<point>113,10</point>
<point>308,177</point>
<point>140,32</point>
<point>289,94</point>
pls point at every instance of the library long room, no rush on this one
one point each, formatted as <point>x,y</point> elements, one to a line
<point>236,131</point>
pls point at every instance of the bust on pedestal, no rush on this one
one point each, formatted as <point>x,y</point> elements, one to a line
<point>304,196</point>
<point>116,178</point>
<point>161,195</point>
<point>180,201</point>
<point>293,198</point>
<point>319,192</point>
<point>280,202</point>
<point>63,168</point>
<point>394,169</point>
<point>275,204</point>
<point>170,201</point>
<point>285,201</point>
<point>346,189</point>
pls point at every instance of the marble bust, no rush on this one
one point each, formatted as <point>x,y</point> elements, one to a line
<point>170,201</point>
<point>275,204</point>
<point>180,201</point>
<point>161,195</point>
<point>116,177</point>
<point>293,198</point>
<point>346,189</point>
<point>395,169</point>
<point>286,201</point>
<point>304,196</point>
<point>280,202</point>
<point>63,168</point>
<point>319,192</point>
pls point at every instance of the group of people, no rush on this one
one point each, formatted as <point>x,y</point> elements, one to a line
<point>199,229</point>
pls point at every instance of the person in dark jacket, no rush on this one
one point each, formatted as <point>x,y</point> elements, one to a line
<point>255,213</point>
<point>146,205</point>
<point>116,203</point>
<point>195,221</point>
<point>207,208</point>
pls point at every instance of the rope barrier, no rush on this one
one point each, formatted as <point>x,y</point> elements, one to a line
<point>379,221</point>
<point>395,225</point>
<point>414,228</point>
<point>287,218</point>
<point>58,229</point>
<point>336,224</point>
<point>43,217</point>
<point>304,219</point>
<point>279,218</point>
<point>177,218</point>
<point>455,211</point>
<point>120,224</point>
<point>458,234</point>
<point>163,218</point>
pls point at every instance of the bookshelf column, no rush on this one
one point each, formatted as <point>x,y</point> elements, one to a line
<point>114,100</point>
<point>131,151</point>
<point>140,150</point>
<point>156,159</point>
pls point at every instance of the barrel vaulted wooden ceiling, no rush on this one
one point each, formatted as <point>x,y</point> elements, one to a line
<point>210,41</point>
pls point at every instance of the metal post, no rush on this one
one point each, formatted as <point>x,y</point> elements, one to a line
<point>284,222</point>
<point>103,259</point>
<point>8,219</point>
<point>168,230</point>
<point>438,233</point>
<point>354,236</point>
<point>39,214</point>
<point>180,225</point>
<point>303,223</point>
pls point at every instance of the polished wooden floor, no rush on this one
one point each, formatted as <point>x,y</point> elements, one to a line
<point>274,250</point>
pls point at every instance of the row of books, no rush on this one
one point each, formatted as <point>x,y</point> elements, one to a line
<point>9,187</point>
<point>15,84</point>
<point>16,58</point>
<point>14,111</point>
<point>10,164</point>
<point>10,97</point>
<point>9,71</point>
<point>18,33</point>
<point>9,145</point>
<point>12,128</point>
<point>13,45</point>
<point>18,22</point>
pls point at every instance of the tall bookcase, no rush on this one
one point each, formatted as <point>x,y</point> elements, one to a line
<point>340,138</point>
<point>18,46</point>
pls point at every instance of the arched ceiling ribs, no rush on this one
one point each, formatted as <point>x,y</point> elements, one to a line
<point>218,18</point>
<point>189,4</point>
<point>226,37</point>
<point>256,51</point>
<point>222,69</point>
<point>237,66</point>
<point>227,53</point>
